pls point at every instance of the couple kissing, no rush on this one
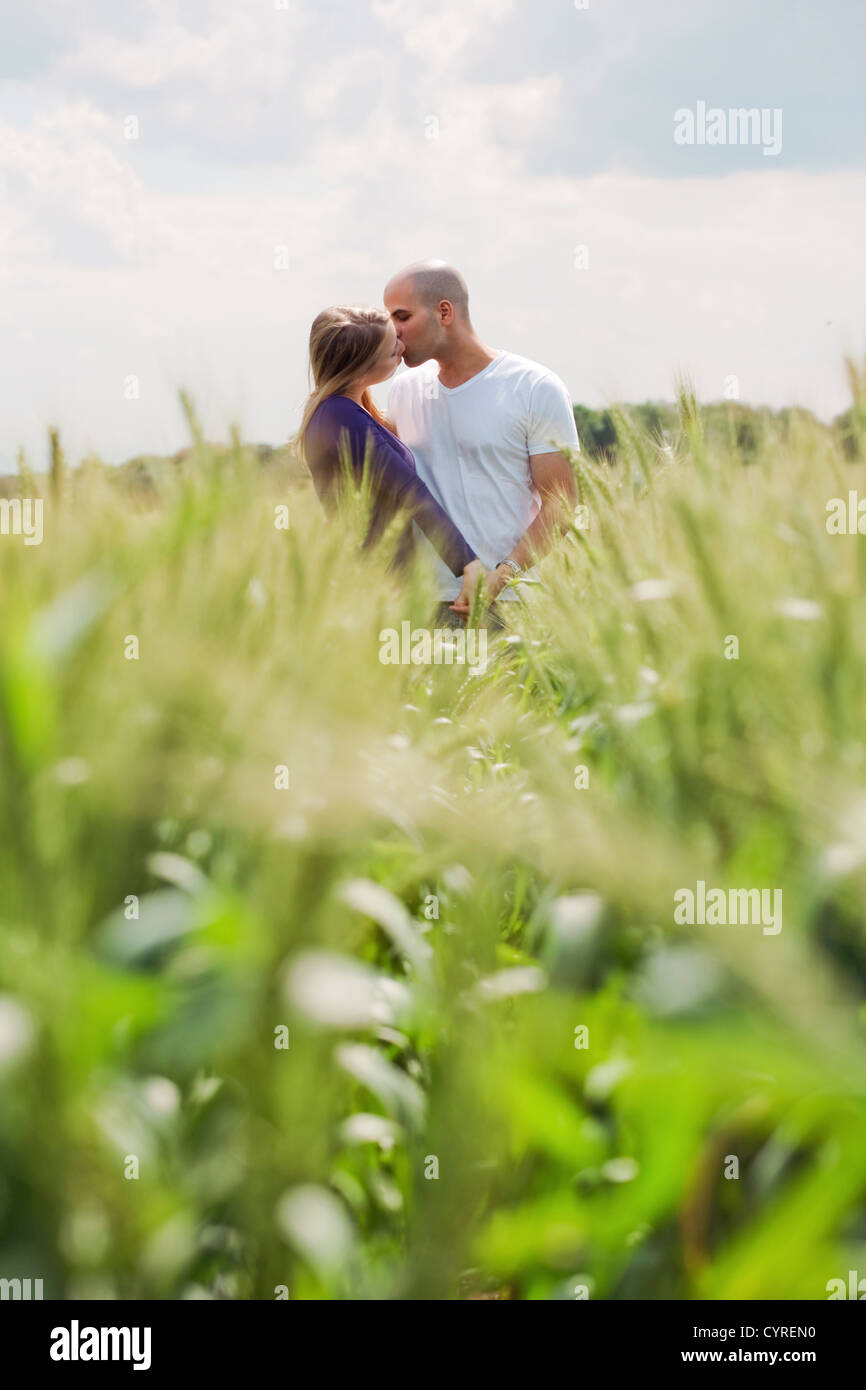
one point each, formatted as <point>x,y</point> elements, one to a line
<point>470,451</point>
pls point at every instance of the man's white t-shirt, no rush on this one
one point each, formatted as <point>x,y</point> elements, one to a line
<point>472,445</point>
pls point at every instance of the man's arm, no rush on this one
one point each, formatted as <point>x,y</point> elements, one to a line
<point>554,481</point>
<point>553,478</point>
<point>549,421</point>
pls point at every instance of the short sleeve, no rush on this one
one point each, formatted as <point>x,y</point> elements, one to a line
<point>550,425</point>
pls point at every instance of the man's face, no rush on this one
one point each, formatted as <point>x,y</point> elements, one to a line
<point>417,326</point>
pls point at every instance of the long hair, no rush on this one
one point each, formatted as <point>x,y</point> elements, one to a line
<point>344,343</point>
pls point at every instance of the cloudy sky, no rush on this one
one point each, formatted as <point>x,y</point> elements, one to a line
<point>185,183</point>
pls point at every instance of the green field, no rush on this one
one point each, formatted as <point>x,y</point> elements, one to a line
<point>332,979</point>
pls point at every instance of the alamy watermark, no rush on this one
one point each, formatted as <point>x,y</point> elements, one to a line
<point>847,518</point>
<point>440,646</point>
<point>23,1289</point>
<point>22,516</point>
<point>737,906</point>
<point>76,1343</point>
<point>856,1287</point>
<point>740,125</point>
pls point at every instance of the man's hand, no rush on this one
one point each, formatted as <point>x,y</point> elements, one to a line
<point>493,583</point>
<point>496,581</point>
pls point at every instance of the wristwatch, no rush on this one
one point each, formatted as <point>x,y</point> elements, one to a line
<point>512,564</point>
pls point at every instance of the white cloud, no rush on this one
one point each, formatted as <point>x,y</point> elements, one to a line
<point>156,256</point>
<point>69,171</point>
<point>442,31</point>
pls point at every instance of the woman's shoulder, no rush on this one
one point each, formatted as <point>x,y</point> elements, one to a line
<point>330,416</point>
<point>336,413</point>
<point>339,408</point>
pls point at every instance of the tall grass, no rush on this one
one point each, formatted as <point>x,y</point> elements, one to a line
<point>297,946</point>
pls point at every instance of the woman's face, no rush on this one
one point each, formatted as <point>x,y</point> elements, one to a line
<point>389,358</point>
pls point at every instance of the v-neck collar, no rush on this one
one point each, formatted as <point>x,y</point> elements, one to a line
<point>452,390</point>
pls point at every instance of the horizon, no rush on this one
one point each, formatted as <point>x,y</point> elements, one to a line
<point>669,403</point>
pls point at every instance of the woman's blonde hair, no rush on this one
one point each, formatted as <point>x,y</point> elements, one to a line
<point>344,343</point>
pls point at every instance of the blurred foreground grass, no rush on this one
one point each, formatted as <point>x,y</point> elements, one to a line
<point>324,978</point>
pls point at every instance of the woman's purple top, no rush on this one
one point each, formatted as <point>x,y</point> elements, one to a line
<point>396,486</point>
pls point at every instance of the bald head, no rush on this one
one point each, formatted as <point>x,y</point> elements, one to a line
<point>433,281</point>
<point>429,306</point>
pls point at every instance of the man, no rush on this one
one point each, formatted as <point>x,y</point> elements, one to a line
<point>486,430</point>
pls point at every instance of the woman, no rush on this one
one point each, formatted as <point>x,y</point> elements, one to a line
<point>350,351</point>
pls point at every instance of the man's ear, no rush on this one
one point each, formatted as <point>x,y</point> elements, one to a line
<point>446,311</point>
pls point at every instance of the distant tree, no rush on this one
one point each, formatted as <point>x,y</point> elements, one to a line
<point>845,426</point>
<point>655,418</point>
<point>596,431</point>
